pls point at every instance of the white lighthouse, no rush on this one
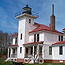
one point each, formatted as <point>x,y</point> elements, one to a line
<point>26,22</point>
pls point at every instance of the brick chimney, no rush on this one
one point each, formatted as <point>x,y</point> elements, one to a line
<point>52,19</point>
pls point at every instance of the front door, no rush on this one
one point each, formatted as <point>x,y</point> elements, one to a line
<point>13,51</point>
<point>26,55</point>
<point>26,50</point>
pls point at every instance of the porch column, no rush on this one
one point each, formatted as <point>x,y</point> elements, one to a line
<point>43,53</point>
<point>33,51</point>
<point>11,52</point>
<point>38,51</point>
<point>8,52</point>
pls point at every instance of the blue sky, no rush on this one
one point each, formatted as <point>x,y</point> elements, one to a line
<point>8,8</point>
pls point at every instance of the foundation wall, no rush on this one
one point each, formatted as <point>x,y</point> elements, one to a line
<point>54,61</point>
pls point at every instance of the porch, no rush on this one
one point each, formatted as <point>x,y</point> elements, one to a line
<point>33,52</point>
<point>12,52</point>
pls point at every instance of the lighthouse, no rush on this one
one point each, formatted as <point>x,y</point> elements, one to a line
<point>26,22</point>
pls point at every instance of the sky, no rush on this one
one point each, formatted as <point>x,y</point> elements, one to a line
<point>8,8</point>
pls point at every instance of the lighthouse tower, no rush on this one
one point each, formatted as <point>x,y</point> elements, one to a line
<point>26,21</point>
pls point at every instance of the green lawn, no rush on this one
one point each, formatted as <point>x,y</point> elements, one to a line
<point>8,63</point>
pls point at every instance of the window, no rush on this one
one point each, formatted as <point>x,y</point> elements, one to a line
<point>34,37</point>
<point>60,50</point>
<point>21,36</point>
<point>40,61</point>
<point>11,59</point>
<point>16,41</point>
<point>29,20</point>
<point>20,49</point>
<point>50,50</point>
<point>15,59</point>
<point>37,37</point>
<point>61,38</point>
<point>26,60</point>
<point>61,61</point>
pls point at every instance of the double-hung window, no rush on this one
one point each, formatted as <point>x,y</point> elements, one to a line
<point>20,49</point>
<point>21,36</point>
<point>50,50</point>
<point>36,37</point>
<point>60,50</point>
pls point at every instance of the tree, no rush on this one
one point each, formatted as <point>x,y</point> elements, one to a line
<point>5,40</point>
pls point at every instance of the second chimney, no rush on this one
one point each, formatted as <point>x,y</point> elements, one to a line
<point>52,19</point>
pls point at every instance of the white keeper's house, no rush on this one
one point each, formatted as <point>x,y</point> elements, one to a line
<point>36,41</point>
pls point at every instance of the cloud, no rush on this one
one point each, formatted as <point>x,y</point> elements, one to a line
<point>3,16</point>
<point>9,26</point>
<point>4,20</point>
<point>14,25</point>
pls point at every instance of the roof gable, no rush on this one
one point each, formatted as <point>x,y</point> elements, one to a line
<point>42,27</point>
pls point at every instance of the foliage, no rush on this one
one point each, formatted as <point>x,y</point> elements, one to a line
<point>5,40</point>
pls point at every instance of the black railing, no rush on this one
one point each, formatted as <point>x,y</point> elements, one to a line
<point>32,13</point>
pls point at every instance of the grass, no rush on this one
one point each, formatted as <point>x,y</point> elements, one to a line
<point>5,63</point>
<point>47,64</point>
<point>10,62</point>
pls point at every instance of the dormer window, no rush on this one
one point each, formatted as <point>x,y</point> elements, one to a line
<point>29,20</point>
<point>60,38</point>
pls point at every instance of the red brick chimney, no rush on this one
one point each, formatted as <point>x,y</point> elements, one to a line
<point>52,19</point>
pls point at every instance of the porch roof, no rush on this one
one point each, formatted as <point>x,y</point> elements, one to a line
<point>12,45</point>
<point>39,42</point>
<point>58,43</point>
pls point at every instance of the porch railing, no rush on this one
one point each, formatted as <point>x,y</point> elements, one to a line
<point>31,55</point>
<point>28,55</point>
<point>40,55</point>
<point>14,56</point>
